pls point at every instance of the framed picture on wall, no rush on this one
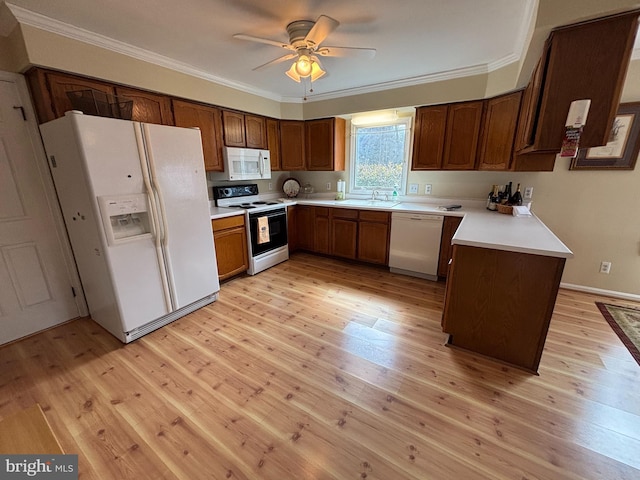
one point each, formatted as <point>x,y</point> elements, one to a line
<point>621,151</point>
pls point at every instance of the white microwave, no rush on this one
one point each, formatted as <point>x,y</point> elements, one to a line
<point>247,163</point>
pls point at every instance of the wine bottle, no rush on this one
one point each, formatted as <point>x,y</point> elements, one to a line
<point>490,196</point>
<point>516,198</point>
<point>495,199</point>
<point>507,194</point>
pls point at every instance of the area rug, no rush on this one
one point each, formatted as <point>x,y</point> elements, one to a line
<point>625,321</point>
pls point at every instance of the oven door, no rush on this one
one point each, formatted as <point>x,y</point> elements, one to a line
<point>276,224</point>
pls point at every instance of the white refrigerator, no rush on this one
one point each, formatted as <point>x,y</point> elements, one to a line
<point>134,200</point>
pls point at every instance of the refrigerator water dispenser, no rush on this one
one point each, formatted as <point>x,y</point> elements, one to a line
<point>125,217</point>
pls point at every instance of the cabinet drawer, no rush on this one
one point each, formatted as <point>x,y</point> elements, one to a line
<point>348,213</point>
<point>322,211</point>
<point>373,216</point>
<point>227,222</point>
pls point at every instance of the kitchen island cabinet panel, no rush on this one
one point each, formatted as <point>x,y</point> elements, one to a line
<point>449,227</point>
<point>499,303</point>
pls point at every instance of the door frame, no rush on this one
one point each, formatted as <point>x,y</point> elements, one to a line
<point>48,186</point>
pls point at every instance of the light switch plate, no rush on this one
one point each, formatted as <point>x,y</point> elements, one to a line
<point>413,188</point>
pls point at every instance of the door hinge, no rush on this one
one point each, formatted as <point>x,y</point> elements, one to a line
<point>73,291</point>
<point>53,161</point>
<point>24,115</point>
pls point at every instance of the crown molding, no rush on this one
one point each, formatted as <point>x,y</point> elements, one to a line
<point>27,17</point>
<point>48,24</point>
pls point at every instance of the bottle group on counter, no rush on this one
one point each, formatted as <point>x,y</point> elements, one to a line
<point>503,196</point>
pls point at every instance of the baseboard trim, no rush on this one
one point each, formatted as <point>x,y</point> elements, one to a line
<point>600,291</point>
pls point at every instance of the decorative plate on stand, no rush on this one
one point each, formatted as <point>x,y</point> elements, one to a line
<point>291,187</point>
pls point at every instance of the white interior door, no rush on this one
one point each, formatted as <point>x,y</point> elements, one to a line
<point>35,283</point>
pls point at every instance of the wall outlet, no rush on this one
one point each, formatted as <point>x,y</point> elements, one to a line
<point>270,186</point>
<point>328,185</point>
<point>427,189</point>
<point>605,267</point>
<point>528,193</point>
<point>413,188</point>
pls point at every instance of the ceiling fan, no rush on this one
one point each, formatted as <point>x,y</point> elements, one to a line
<point>305,37</point>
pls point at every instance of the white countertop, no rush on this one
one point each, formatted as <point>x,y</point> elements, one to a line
<point>479,227</point>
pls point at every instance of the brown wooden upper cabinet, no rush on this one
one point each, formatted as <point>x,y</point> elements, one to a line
<point>324,140</point>
<point>148,107</point>
<point>461,140</point>
<point>49,90</point>
<point>292,142</point>
<point>244,130</point>
<point>209,120</point>
<point>498,130</point>
<point>428,140</point>
<point>588,60</point>
<point>273,143</point>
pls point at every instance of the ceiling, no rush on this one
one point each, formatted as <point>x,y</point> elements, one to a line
<point>416,40</point>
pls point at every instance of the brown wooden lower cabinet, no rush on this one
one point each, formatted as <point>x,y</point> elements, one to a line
<point>499,303</point>
<point>230,238</point>
<point>373,236</point>
<point>321,227</point>
<point>346,233</point>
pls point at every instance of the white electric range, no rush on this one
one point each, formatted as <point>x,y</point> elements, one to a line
<point>266,223</point>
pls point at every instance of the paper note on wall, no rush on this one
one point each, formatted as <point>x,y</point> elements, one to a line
<point>576,119</point>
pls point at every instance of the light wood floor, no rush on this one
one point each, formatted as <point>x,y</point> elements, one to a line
<point>318,369</point>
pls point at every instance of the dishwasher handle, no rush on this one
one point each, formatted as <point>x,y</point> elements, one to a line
<point>417,217</point>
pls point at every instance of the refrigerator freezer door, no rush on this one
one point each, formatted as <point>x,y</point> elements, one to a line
<point>108,155</point>
<point>177,170</point>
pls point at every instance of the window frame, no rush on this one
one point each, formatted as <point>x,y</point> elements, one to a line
<point>402,187</point>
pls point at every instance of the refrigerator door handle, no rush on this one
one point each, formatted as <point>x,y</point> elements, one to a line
<point>158,234</point>
<point>162,214</point>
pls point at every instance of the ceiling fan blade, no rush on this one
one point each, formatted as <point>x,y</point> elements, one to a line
<point>323,27</point>
<point>242,36</point>
<point>284,58</point>
<point>346,52</point>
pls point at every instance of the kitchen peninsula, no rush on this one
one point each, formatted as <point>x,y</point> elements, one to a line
<point>502,283</point>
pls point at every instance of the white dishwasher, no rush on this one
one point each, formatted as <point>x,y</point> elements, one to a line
<point>415,244</point>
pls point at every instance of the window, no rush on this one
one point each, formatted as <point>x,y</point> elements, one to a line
<point>379,156</point>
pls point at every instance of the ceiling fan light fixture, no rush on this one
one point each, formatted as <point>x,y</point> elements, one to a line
<point>315,71</point>
<point>303,66</point>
